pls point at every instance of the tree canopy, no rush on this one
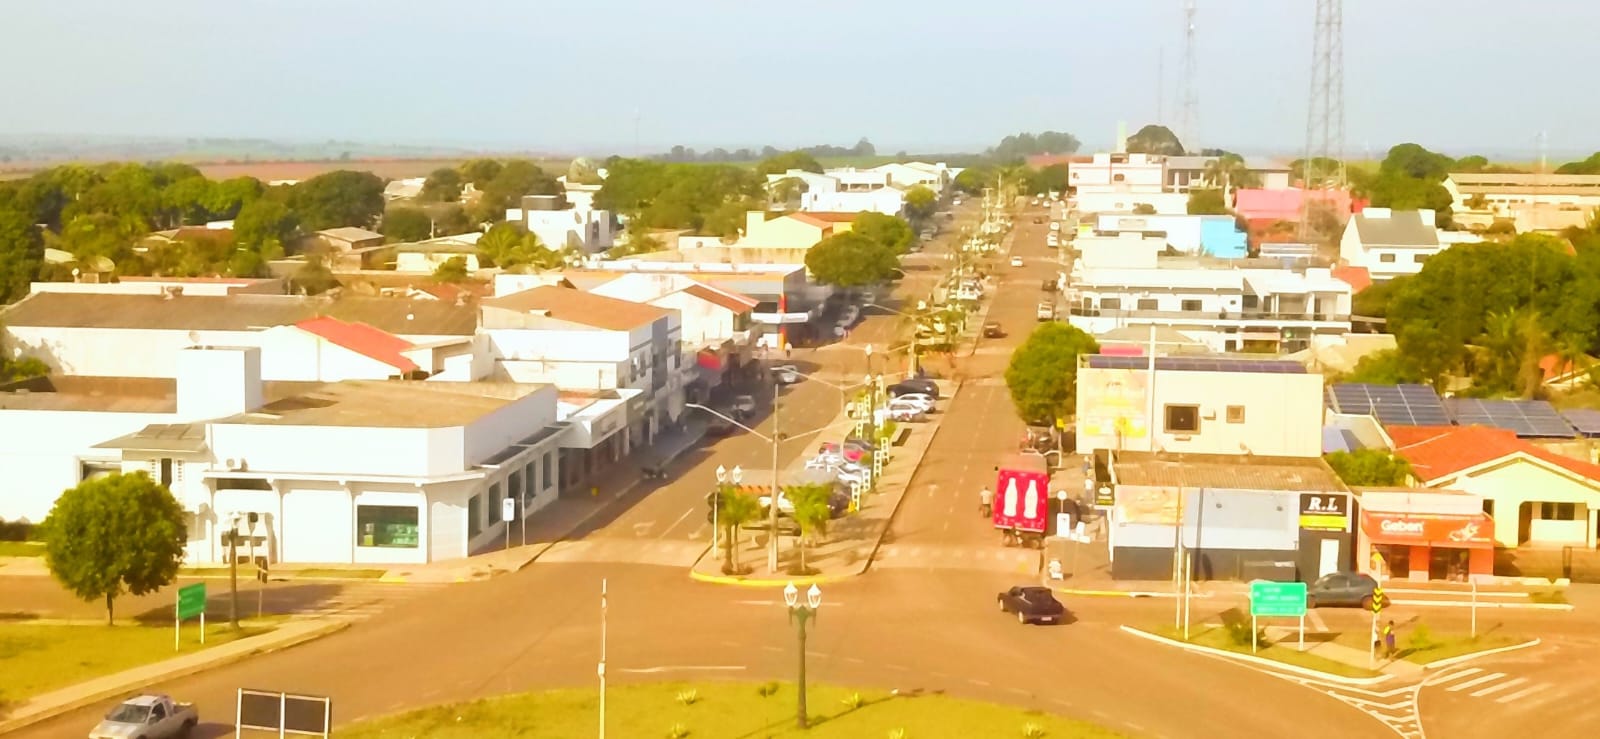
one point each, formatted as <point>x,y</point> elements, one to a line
<point>1154,139</point>
<point>851,260</point>
<point>339,198</point>
<point>21,253</point>
<point>1583,166</point>
<point>1020,145</point>
<point>1043,374</point>
<point>507,246</point>
<point>1369,468</point>
<point>890,231</point>
<point>921,203</point>
<point>123,533</point>
<point>405,225</point>
<point>1207,201</point>
<point>789,160</point>
<point>1410,178</point>
<point>443,185</point>
<point>514,179</point>
<point>662,195</point>
<point>1052,178</point>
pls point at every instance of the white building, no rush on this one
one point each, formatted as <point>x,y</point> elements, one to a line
<point>424,257</point>
<point>353,472</point>
<point>719,329</point>
<point>1226,306</point>
<point>1390,243</point>
<point>812,192</point>
<point>1118,173</point>
<point>583,228</point>
<point>1503,195</point>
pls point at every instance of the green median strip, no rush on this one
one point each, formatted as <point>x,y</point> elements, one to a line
<point>1417,643</point>
<point>21,549</point>
<point>693,710</point>
<point>39,658</point>
<point>1238,640</point>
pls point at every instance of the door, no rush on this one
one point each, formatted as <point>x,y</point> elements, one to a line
<point>1328,558</point>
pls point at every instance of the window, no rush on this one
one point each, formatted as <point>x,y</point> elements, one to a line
<point>1558,511</point>
<point>1235,414</point>
<point>1191,306</point>
<point>88,470</point>
<point>1419,258</point>
<point>1252,301</point>
<point>514,486</point>
<point>166,471</point>
<point>242,483</point>
<point>1386,258</point>
<point>392,526</point>
<point>494,500</point>
<point>530,482</point>
<point>548,476</point>
<point>1110,303</point>
<point>1488,506</point>
<point>474,516</point>
<point>1183,418</point>
<point>1148,304</point>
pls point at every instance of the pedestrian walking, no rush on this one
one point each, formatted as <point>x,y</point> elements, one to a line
<point>985,503</point>
<point>1388,639</point>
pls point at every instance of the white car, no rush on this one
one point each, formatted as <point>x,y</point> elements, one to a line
<point>787,374</point>
<point>1052,241</point>
<point>969,294</point>
<point>1055,225</point>
<point>1046,312</point>
<point>902,413</point>
<point>1016,261</point>
<point>926,401</point>
<point>916,405</point>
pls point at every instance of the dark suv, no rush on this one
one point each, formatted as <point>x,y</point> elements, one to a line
<point>1341,589</point>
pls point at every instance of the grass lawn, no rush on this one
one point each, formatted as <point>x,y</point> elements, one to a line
<point>720,710</point>
<point>21,549</point>
<point>37,658</point>
<point>1433,647</point>
<point>1286,652</point>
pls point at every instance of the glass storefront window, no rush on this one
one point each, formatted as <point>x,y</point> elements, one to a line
<point>387,526</point>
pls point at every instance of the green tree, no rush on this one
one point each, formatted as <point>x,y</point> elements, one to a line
<point>507,246</point>
<point>225,199</point>
<point>1416,162</point>
<point>737,509</point>
<point>1369,468</point>
<point>1584,166</point>
<point>1385,367</point>
<point>406,225</point>
<point>850,260</point>
<point>21,254</point>
<point>1373,302</point>
<point>1049,179</point>
<point>313,277</point>
<point>921,203</point>
<point>264,221</point>
<point>1154,139</point>
<point>480,171</point>
<point>890,231</point>
<point>812,512</point>
<point>123,533</point>
<point>1043,374</point>
<point>443,185</point>
<point>90,235</point>
<point>186,200</point>
<point>1020,145</point>
<point>339,198</point>
<point>1207,201</point>
<point>973,179</point>
<point>518,177</point>
<point>789,160</point>
<point>452,270</point>
<point>1229,171</point>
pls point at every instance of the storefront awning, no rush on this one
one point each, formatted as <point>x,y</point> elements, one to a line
<point>1459,530</point>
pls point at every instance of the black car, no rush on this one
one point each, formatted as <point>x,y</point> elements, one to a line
<point>1032,604</point>
<point>992,330</point>
<point>718,427</point>
<point>1353,589</point>
<point>915,385</point>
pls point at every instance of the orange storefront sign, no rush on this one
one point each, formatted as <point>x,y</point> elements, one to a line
<point>1432,529</point>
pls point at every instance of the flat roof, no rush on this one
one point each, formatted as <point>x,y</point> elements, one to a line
<point>386,403</point>
<point>398,316</point>
<point>1226,471</point>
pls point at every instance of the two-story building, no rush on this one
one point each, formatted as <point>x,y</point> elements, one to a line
<point>718,330</point>
<point>1217,236</point>
<point>560,225</point>
<point>1390,243</point>
<point>1486,196</point>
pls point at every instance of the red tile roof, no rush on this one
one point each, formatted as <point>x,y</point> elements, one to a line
<point>1441,451</point>
<point>1358,278</point>
<point>717,296</point>
<point>362,339</point>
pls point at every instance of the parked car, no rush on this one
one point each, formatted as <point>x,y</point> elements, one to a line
<point>1038,219</point>
<point>925,401</point>
<point>787,374</point>
<point>1016,261</point>
<point>744,405</point>
<point>1052,240</point>
<point>1046,311</point>
<point>151,716</point>
<point>850,452</point>
<point>1055,225</point>
<point>1341,589</point>
<point>921,385</point>
<point>1032,604</point>
<point>992,330</point>
<point>903,413</point>
<point>719,427</point>
<point>1048,286</point>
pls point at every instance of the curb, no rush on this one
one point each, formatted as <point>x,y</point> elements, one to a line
<point>50,712</point>
<point>1481,604</point>
<point>1485,653</point>
<point>1116,593</point>
<point>1272,664</point>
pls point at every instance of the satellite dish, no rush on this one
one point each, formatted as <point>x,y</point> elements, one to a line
<point>102,264</point>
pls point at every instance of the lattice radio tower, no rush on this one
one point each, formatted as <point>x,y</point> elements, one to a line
<point>1189,107</point>
<point>1325,109</point>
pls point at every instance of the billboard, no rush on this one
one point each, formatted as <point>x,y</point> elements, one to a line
<point>1113,404</point>
<point>1140,504</point>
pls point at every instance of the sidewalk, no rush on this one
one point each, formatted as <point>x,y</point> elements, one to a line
<point>1323,646</point>
<point>48,705</point>
<point>851,542</point>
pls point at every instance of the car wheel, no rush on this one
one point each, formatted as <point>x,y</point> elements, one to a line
<point>1001,603</point>
<point>1366,602</point>
<point>1021,619</point>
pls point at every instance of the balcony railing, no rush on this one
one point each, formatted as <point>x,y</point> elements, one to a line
<point>1201,315</point>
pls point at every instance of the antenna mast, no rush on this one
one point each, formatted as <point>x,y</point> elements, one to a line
<point>1189,124</point>
<point>1325,109</point>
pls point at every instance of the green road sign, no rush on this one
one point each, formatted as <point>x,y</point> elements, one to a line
<point>1278,599</point>
<point>191,600</point>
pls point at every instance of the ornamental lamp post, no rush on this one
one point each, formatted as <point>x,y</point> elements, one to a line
<point>799,614</point>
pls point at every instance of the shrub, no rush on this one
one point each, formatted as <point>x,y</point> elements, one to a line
<point>852,701</point>
<point>677,731</point>
<point>899,734</point>
<point>1032,731</point>
<point>766,690</point>
<point>689,697</point>
<point>1420,638</point>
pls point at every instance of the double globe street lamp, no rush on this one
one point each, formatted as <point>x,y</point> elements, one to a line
<point>724,477</point>
<point>799,614</point>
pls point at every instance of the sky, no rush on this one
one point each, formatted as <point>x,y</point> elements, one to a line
<point>576,76</point>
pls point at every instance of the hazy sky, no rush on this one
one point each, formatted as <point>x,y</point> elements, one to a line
<point>1464,76</point>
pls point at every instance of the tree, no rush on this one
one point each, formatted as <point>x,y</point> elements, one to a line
<point>405,225</point>
<point>1043,374</point>
<point>507,246</point>
<point>1472,163</point>
<point>1373,301</point>
<point>850,260</point>
<point>480,171</point>
<point>787,161</point>
<point>973,179</point>
<point>1229,171</point>
<point>1412,160</point>
<point>225,199</point>
<point>518,177</point>
<point>452,270</point>
<point>737,509</point>
<point>313,277</point>
<point>812,512</point>
<point>1369,468</point>
<point>1021,145</point>
<point>186,200</point>
<point>339,198</point>
<point>1049,179</point>
<point>443,185</point>
<point>1207,201</point>
<point>123,533</point>
<point>1585,166</point>
<point>892,232</point>
<point>639,241</point>
<point>1385,367</point>
<point>21,254</point>
<point>264,221</point>
<point>1154,139</point>
<point>921,203</point>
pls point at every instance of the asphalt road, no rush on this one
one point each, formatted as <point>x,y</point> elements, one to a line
<point>909,628</point>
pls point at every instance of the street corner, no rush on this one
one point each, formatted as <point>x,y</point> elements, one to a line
<point>1470,656</point>
<point>1262,664</point>
<point>774,581</point>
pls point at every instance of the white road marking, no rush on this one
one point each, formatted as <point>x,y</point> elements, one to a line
<point>640,529</point>
<point>680,668</point>
<point>681,518</point>
<point>1499,687</point>
<point>1455,675</point>
<point>1316,620</point>
<point>1476,681</point>
<point>1519,695</point>
<point>827,604</point>
<point>979,683</point>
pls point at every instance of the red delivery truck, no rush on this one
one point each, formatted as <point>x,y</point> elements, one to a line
<point>1022,499</point>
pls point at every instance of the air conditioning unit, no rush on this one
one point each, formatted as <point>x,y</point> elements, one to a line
<point>234,464</point>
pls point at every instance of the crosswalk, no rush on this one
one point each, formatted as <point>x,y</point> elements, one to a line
<point>672,553</point>
<point>985,558</point>
<point>1500,687</point>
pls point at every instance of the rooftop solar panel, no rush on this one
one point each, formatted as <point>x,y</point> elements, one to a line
<point>1585,421</point>
<point>1393,405</point>
<point>1526,418</point>
<point>1198,364</point>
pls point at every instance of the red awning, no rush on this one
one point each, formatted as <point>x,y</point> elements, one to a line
<point>709,360</point>
<point>1461,530</point>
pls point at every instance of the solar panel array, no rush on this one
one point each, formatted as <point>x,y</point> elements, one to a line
<point>1585,421</point>
<point>1198,364</point>
<point>1526,418</point>
<point>1392,405</point>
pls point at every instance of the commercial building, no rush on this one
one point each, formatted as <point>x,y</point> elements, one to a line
<point>1504,195</point>
<point>1231,517</point>
<point>1217,236</point>
<point>1424,534</point>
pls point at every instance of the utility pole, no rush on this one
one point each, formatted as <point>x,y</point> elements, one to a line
<point>602,669</point>
<point>233,572</point>
<point>777,490</point>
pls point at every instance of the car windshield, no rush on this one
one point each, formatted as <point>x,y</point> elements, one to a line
<point>129,713</point>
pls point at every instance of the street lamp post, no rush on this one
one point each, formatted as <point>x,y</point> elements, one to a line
<point>233,570</point>
<point>799,614</point>
<point>723,477</point>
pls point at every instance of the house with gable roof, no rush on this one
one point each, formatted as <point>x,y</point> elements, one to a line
<point>1390,243</point>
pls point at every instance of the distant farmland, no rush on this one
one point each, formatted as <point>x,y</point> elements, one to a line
<point>390,169</point>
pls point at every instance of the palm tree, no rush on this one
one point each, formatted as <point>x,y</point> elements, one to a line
<point>1229,172</point>
<point>811,511</point>
<point>738,509</point>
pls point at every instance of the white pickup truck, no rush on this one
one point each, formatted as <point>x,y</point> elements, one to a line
<point>152,716</point>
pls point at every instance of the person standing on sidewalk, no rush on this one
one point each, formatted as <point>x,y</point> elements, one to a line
<point>1388,640</point>
<point>985,502</point>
